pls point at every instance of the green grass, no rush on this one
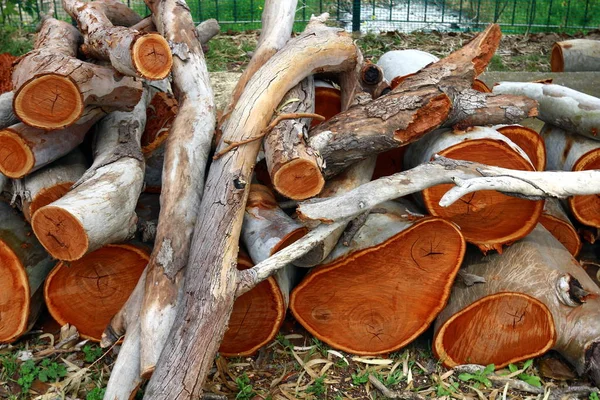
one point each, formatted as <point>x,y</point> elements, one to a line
<point>15,41</point>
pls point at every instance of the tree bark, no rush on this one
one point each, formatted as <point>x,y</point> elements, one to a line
<point>529,141</point>
<point>100,209</point>
<point>295,168</point>
<point>558,105</point>
<point>542,270</point>
<point>24,265</point>
<point>88,292</point>
<point>131,52</point>
<point>53,87</point>
<point>24,149</point>
<point>571,152</point>
<point>207,30</point>
<point>211,276</point>
<point>483,216</point>
<point>575,55</point>
<point>557,222</point>
<point>185,159</point>
<point>391,258</point>
<point>7,117</point>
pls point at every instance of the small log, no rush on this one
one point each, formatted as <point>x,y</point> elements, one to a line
<point>558,105</point>
<point>487,219</point>
<point>131,52</point>
<point>53,87</point>
<point>88,292</point>
<point>399,63</point>
<point>528,140</point>
<point>390,259</point>
<point>557,222</point>
<point>24,149</point>
<point>207,29</point>
<point>328,101</point>
<point>571,152</point>
<point>24,265</point>
<point>536,297</point>
<point>7,117</point>
<point>294,168</point>
<point>575,55</point>
<point>118,13</point>
<point>100,208</point>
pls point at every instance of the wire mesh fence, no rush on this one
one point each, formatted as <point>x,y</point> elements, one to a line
<point>515,16</point>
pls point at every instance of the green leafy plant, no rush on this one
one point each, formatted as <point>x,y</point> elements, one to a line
<point>91,353</point>
<point>51,371</point>
<point>284,342</point>
<point>480,377</point>
<point>446,391</point>
<point>391,379</point>
<point>318,388</point>
<point>28,372</point>
<point>594,396</point>
<point>9,366</point>
<point>531,379</point>
<point>360,378</point>
<point>320,347</point>
<point>245,390</point>
<point>95,394</point>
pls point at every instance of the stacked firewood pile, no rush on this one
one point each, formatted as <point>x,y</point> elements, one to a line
<point>103,118</point>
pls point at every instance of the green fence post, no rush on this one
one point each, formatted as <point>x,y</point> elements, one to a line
<point>356,16</point>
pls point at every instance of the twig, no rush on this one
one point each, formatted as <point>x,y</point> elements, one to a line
<point>392,394</point>
<point>273,124</point>
<point>353,228</point>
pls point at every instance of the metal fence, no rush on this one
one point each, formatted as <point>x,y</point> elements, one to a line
<point>515,16</point>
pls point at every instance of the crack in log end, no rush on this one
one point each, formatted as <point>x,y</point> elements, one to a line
<point>61,233</point>
<point>425,119</point>
<point>592,362</point>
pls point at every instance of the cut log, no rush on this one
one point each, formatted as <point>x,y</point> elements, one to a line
<point>119,13</point>
<point>53,87</point>
<point>88,292</point>
<point>211,277</point>
<point>328,101</point>
<point>558,105</point>
<point>294,168</point>
<point>7,117</point>
<point>207,29</point>
<point>487,219</point>
<point>575,55</point>
<point>24,149</point>
<point>100,208</point>
<point>528,140</point>
<point>399,63</point>
<point>391,259</point>
<point>571,152</point>
<point>557,222</point>
<point>389,162</point>
<point>131,52</point>
<point>24,265</point>
<point>51,183</point>
<point>536,297</point>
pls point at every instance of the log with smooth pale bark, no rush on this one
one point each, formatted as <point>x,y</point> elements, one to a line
<point>557,222</point>
<point>575,55</point>
<point>100,209</point>
<point>24,149</point>
<point>536,297</point>
<point>571,152</point>
<point>399,63</point>
<point>487,219</point>
<point>88,292</point>
<point>131,52</point>
<point>7,117</point>
<point>387,287</point>
<point>24,265</point>
<point>53,87</point>
<point>211,278</point>
<point>294,167</point>
<point>558,105</point>
<point>531,142</point>
<point>50,183</point>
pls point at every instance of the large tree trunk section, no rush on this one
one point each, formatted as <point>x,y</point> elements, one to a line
<point>557,222</point>
<point>182,182</point>
<point>7,117</point>
<point>536,297</point>
<point>211,277</point>
<point>52,87</point>
<point>131,52</point>
<point>402,272</point>
<point>488,219</point>
<point>570,152</point>
<point>575,55</point>
<point>560,106</point>
<point>101,208</point>
<point>24,265</point>
<point>529,141</point>
<point>294,167</point>
<point>24,149</point>
<point>88,292</point>
<point>51,183</point>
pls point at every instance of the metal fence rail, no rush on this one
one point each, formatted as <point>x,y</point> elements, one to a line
<point>515,16</point>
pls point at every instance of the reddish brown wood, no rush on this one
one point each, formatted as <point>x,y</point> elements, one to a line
<point>555,220</point>
<point>529,141</point>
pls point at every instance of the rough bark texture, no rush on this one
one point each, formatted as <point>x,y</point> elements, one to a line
<point>540,267</point>
<point>130,52</point>
<point>295,168</point>
<point>211,278</point>
<point>575,55</point>
<point>557,222</point>
<point>7,117</point>
<point>558,105</point>
<point>101,208</point>
<point>24,265</point>
<point>52,87</point>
